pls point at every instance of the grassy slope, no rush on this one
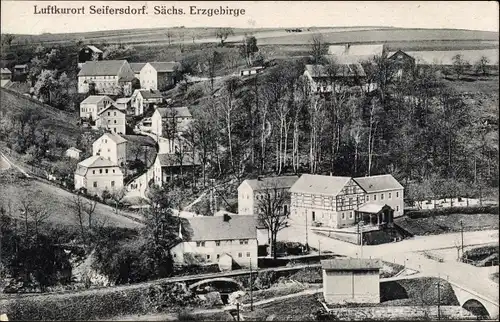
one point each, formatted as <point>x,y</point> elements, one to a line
<point>54,199</point>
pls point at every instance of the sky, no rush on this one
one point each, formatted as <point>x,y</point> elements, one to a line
<point>19,16</point>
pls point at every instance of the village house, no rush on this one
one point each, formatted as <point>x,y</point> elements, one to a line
<point>355,53</point>
<point>96,174</point>
<point>21,69</point>
<point>112,147</point>
<point>352,280</point>
<point>403,63</point>
<point>251,71</point>
<point>92,105</point>
<point>168,166</point>
<point>125,104</point>
<point>344,201</point>
<point>137,67</point>
<point>89,53</point>
<point>168,121</point>
<point>73,153</point>
<point>110,77</point>
<point>324,79</point>
<point>158,75</point>
<point>143,99</point>
<point>6,76</point>
<point>112,119</point>
<point>214,238</point>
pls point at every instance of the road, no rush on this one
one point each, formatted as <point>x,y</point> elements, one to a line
<point>410,253</point>
<point>12,164</point>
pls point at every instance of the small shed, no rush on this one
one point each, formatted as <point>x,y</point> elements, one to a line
<point>351,280</point>
<point>251,71</point>
<point>73,153</point>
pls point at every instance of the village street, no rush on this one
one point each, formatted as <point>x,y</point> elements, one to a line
<point>409,253</point>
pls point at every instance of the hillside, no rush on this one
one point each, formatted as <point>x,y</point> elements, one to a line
<point>56,122</point>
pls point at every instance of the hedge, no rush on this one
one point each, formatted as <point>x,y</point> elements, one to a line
<point>91,305</point>
<point>425,213</point>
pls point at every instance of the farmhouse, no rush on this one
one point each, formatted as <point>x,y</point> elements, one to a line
<point>403,63</point>
<point>251,71</point>
<point>168,166</point>
<point>168,121</point>
<point>344,201</point>
<point>96,174</point>
<point>216,237</point>
<point>324,79</point>
<point>111,119</point>
<point>112,147</point>
<point>137,67</point>
<point>355,53</point>
<point>143,99</point>
<point>158,75</point>
<point>20,69</point>
<point>6,74</point>
<point>353,280</point>
<point>112,77</point>
<point>89,53</point>
<point>73,153</point>
<point>92,105</point>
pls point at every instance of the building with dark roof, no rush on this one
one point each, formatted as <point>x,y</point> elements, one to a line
<point>89,53</point>
<point>143,99</point>
<point>337,76</point>
<point>93,105</point>
<point>351,280</point>
<point>111,77</point>
<point>213,236</point>
<point>167,121</point>
<point>333,201</point>
<point>96,174</point>
<point>158,75</point>
<point>168,166</point>
<point>112,119</point>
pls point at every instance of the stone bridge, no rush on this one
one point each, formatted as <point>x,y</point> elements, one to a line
<point>476,303</point>
<point>219,283</point>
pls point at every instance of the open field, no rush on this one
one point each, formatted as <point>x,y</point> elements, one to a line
<point>54,199</point>
<point>442,57</point>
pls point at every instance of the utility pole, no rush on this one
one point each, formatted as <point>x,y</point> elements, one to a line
<point>462,233</point>
<point>307,242</point>
<point>251,287</point>
<point>319,249</point>
<point>238,311</point>
<point>439,298</point>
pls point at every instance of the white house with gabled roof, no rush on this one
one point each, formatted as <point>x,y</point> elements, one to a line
<point>112,147</point>
<point>96,174</point>
<point>112,119</point>
<point>107,77</point>
<point>92,105</point>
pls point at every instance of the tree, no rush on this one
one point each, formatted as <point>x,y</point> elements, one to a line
<point>372,130</point>
<point>33,214</point>
<point>459,65</point>
<point>318,48</point>
<point>223,33</point>
<point>170,35</point>
<point>228,106</point>
<point>482,65</point>
<point>83,211</point>
<point>46,85</point>
<point>272,207</point>
<point>213,61</point>
<point>117,196</point>
<point>248,49</point>
<point>7,39</point>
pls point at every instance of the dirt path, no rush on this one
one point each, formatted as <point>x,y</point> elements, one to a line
<point>10,163</point>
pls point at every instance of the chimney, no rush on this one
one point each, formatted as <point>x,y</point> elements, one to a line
<point>226,218</point>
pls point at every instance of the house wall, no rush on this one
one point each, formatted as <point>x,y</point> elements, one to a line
<point>73,154</point>
<point>243,254</point>
<point>392,198</point>
<point>245,199</point>
<point>103,84</point>
<point>148,77</point>
<point>156,123</point>
<point>87,110</point>
<point>80,182</point>
<point>110,178</point>
<point>108,149</point>
<point>157,173</point>
<point>354,286</point>
<point>112,120</point>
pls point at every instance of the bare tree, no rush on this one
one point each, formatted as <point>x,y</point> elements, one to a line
<point>459,65</point>
<point>83,210</point>
<point>482,65</point>
<point>372,130</point>
<point>117,196</point>
<point>318,48</point>
<point>223,33</point>
<point>356,135</point>
<point>272,207</point>
<point>228,106</point>
<point>34,214</point>
<point>170,34</point>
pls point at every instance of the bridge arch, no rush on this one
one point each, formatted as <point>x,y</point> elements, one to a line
<point>220,282</point>
<point>477,308</point>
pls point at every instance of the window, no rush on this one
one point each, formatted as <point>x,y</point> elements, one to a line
<point>113,170</point>
<point>114,113</point>
<point>248,254</point>
<point>381,196</point>
<point>115,121</point>
<point>374,197</point>
<point>200,244</point>
<point>208,256</point>
<point>175,255</point>
<point>112,183</point>
<point>350,215</point>
<point>95,184</point>
<point>109,113</point>
<point>390,195</point>
<point>106,170</point>
<point>240,255</point>
<point>217,243</point>
<point>93,171</point>
<point>100,170</point>
<point>109,150</point>
<point>397,208</point>
<point>243,241</point>
<point>397,194</point>
<point>350,201</point>
<point>343,215</point>
<point>218,256</point>
<point>367,198</point>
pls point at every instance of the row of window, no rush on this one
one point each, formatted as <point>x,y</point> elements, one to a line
<point>99,77</point>
<point>218,255</point>
<point>217,242</point>
<point>105,170</point>
<point>95,184</point>
<point>382,196</point>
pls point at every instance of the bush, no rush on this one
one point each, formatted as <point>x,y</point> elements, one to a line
<point>195,92</point>
<point>426,213</point>
<point>480,253</point>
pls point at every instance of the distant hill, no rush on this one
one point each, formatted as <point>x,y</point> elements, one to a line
<point>57,122</point>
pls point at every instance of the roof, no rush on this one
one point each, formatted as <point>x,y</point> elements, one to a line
<point>173,160</point>
<point>123,100</point>
<point>111,107</point>
<point>94,49</point>
<point>253,68</point>
<point>74,149</point>
<point>150,94</point>
<point>371,208</point>
<point>163,67</point>
<point>318,184</point>
<point>114,137</point>
<point>102,68</point>
<point>340,70</point>
<point>356,50</point>
<point>94,99</point>
<point>351,264</point>
<point>6,71</point>
<point>5,83</point>
<point>272,182</point>
<point>136,67</point>
<point>216,228</point>
<point>95,161</point>
<point>182,111</point>
<point>378,183</point>
<point>21,66</point>
<point>394,54</point>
